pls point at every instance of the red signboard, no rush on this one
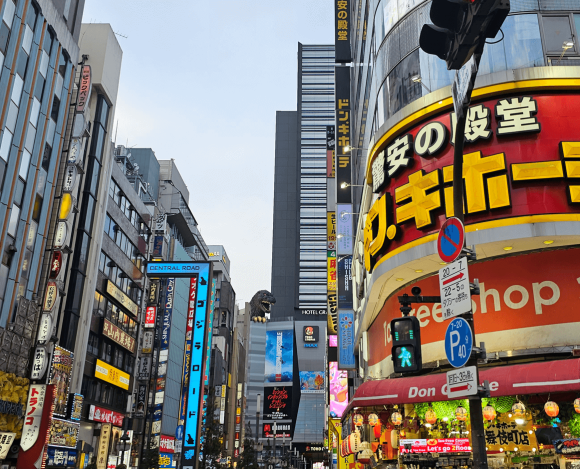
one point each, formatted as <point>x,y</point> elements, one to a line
<point>512,168</point>
<point>85,88</point>
<point>150,314</point>
<point>98,414</point>
<point>167,444</point>
<point>518,294</point>
<point>447,445</point>
<point>55,264</point>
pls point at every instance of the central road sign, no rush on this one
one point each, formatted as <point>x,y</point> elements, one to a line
<point>458,342</point>
<point>454,288</point>
<point>451,239</point>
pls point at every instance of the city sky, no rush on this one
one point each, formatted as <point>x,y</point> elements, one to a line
<point>201,83</point>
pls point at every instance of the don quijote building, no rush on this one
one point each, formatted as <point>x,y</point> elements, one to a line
<point>522,215</point>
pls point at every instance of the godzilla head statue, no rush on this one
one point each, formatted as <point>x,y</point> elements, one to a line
<point>260,305</point>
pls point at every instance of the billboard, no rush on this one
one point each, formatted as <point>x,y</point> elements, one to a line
<point>346,359</point>
<point>188,343</point>
<point>330,151</point>
<point>279,356</point>
<point>343,158</point>
<point>345,282</point>
<point>193,412</point>
<point>338,384</point>
<point>311,381</point>
<point>283,430</point>
<point>342,13</point>
<point>112,375</point>
<point>278,403</point>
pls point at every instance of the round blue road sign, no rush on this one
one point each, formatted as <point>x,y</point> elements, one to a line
<point>458,342</point>
<point>451,239</point>
<point>179,432</point>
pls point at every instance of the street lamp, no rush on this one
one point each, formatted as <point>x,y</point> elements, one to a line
<point>418,79</point>
<point>342,214</point>
<point>348,148</point>
<point>565,46</point>
<point>344,185</point>
<point>124,440</point>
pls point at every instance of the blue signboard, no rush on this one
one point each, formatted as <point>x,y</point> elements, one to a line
<point>165,460</point>
<point>158,246</point>
<point>195,391</point>
<point>458,342</point>
<point>173,269</point>
<point>167,315</point>
<point>346,339</point>
<point>60,457</point>
<point>279,356</point>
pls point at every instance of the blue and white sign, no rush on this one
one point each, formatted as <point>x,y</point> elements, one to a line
<point>173,269</point>
<point>458,342</point>
<point>61,457</point>
<point>346,340</point>
<point>165,330</point>
<point>193,412</point>
<point>179,432</point>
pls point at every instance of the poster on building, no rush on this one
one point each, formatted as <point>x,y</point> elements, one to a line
<point>60,374</point>
<point>342,13</point>
<point>279,356</point>
<point>330,151</point>
<point>75,405</point>
<point>63,433</point>
<point>277,403</point>
<point>346,359</point>
<point>311,381</point>
<point>343,152</point>
<point>344,281</point>
<point>282,430</point>
<point>338,384</point>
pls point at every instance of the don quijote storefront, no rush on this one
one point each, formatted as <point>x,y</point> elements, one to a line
<point>522,215</point>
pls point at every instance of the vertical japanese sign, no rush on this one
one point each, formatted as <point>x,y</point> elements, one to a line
<point>343,158</point>
<point>346,339</point>
<point>35,431</point>
<point>196,374</point>
<point>345,283</point>
<point>330,144</point>
<point>188,343</point>
<point>344,230</point>
<point>209,332</point>
<point>342,31</point>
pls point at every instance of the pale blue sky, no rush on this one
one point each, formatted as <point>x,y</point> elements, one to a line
<point>201,83</point>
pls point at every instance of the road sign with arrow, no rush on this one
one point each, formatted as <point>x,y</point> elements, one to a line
<point>462,382</point>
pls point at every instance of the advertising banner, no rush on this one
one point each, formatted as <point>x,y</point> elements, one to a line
<point>277,403</point>
<point>98,414</point>
<point>519,306</point>
<point>311,381</point>
<point>60,374</point>
<point>165,327</point>
<point>150,315</point>
<point>330,151</point>
<point>188,344</point>
<point>345,283</point>
<point>112,375</point>
<point>344,229</point>
<point>332,302</point>
<point>36,425</point>
<point>343,157</point>
<point>338,390</point>
<point>60,457</point>
<point>118,336</point>
<point>63,433</point>
<point>342,13</point>
<point>346,360</point>
<point>331,271</point>
<point>283,430</point>
<point>209,332</point>
<point>193,412</point>
<point>279,356</point>
<point>448,445</point>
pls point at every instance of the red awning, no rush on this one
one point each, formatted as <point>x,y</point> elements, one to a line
<point>529,378</point>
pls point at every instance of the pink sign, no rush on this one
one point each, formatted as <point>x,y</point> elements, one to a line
<point>338,390</point>
<point>333,341</point>
<point>167,444</point>
<point>98,414</point>
<point>448,445</point>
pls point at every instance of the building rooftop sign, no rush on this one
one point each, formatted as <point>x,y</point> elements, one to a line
<point>173,269</point>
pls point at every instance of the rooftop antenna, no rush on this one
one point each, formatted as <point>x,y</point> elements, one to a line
<point>119,34</point>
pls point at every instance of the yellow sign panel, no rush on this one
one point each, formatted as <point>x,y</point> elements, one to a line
<point>336,428</point>
<point>331,270</point>
<point>103,451</point>
<point>331,226</point>
<point>112,375</point>
<point>122,298</point>
<point>505,433</point>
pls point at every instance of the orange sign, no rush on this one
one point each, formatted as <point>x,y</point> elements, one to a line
<point>529,296</point>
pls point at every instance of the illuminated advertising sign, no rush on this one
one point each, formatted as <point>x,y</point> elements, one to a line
<point>121,298</point>
<point>166,325</point>
<point>63,433</point>
<point>346,339</point>
<point>343,113</point>
<point>342,13</point>
<point>311,381</point>
<point>209,333</point>
<point>98,414</point>
<point>344,229</point>
<point>196,374</point>
<point>112,375</point>
<point>310,336</point>
<point>330,151</point>
<point>332,341</point>
<point>332,302</point>
<point>118,335</point>
<point>188,343</point>
<point>60,375</point>
<point>518,150</point>
<point>150,315</point>
<point>278,403</point>
<point>167,444</point>
<point>345,282</point>
<point>84,89</point>
<point>338,382</point>
<point>279,356</point>
<point>448,445</point>
<point>283,430</point>
<point>173,269</point>
<point>331,271</point>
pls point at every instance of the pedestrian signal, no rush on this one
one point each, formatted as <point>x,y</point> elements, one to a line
<point>406,350</point>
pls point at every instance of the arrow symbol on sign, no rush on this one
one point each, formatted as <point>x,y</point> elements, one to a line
<point>463,387</point>
<point>452,279</point>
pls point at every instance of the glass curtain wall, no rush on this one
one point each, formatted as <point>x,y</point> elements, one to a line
<point>316,107</point>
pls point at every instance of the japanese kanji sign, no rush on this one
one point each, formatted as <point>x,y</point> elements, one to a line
<point>60,375</point>
<point>518,151</point>
<point>33,415</point>
<point>507,434</point>
<point>342,14</point>
<point>119,336</point>
<point>343,113</point>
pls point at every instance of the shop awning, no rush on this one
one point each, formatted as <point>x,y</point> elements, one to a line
<point>529,378</point>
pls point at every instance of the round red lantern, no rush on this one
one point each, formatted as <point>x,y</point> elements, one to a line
<point>577,405</point>
<point>396,418</point>
<point>518,409</point>
<point>551,408</point>
<point>377,430</point>
<point>461,414</point>
<point>489,413</point>
<point>430,416</point>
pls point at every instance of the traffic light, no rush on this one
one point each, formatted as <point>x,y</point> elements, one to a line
<point>406,350</point>
<point>459,27</point>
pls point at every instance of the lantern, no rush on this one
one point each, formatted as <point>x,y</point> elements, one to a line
<point>461,414</point>
<point>66,205</point>
<point>358,420</point>
<point>430,416</point>
<point>396,418</point>
<point>489,413</point>
<point>373,419</point>
<point>518,409</point>
<point>394,439</point>
<point>551,408</point>
<point>577,405</point>
<point>377,430</point>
